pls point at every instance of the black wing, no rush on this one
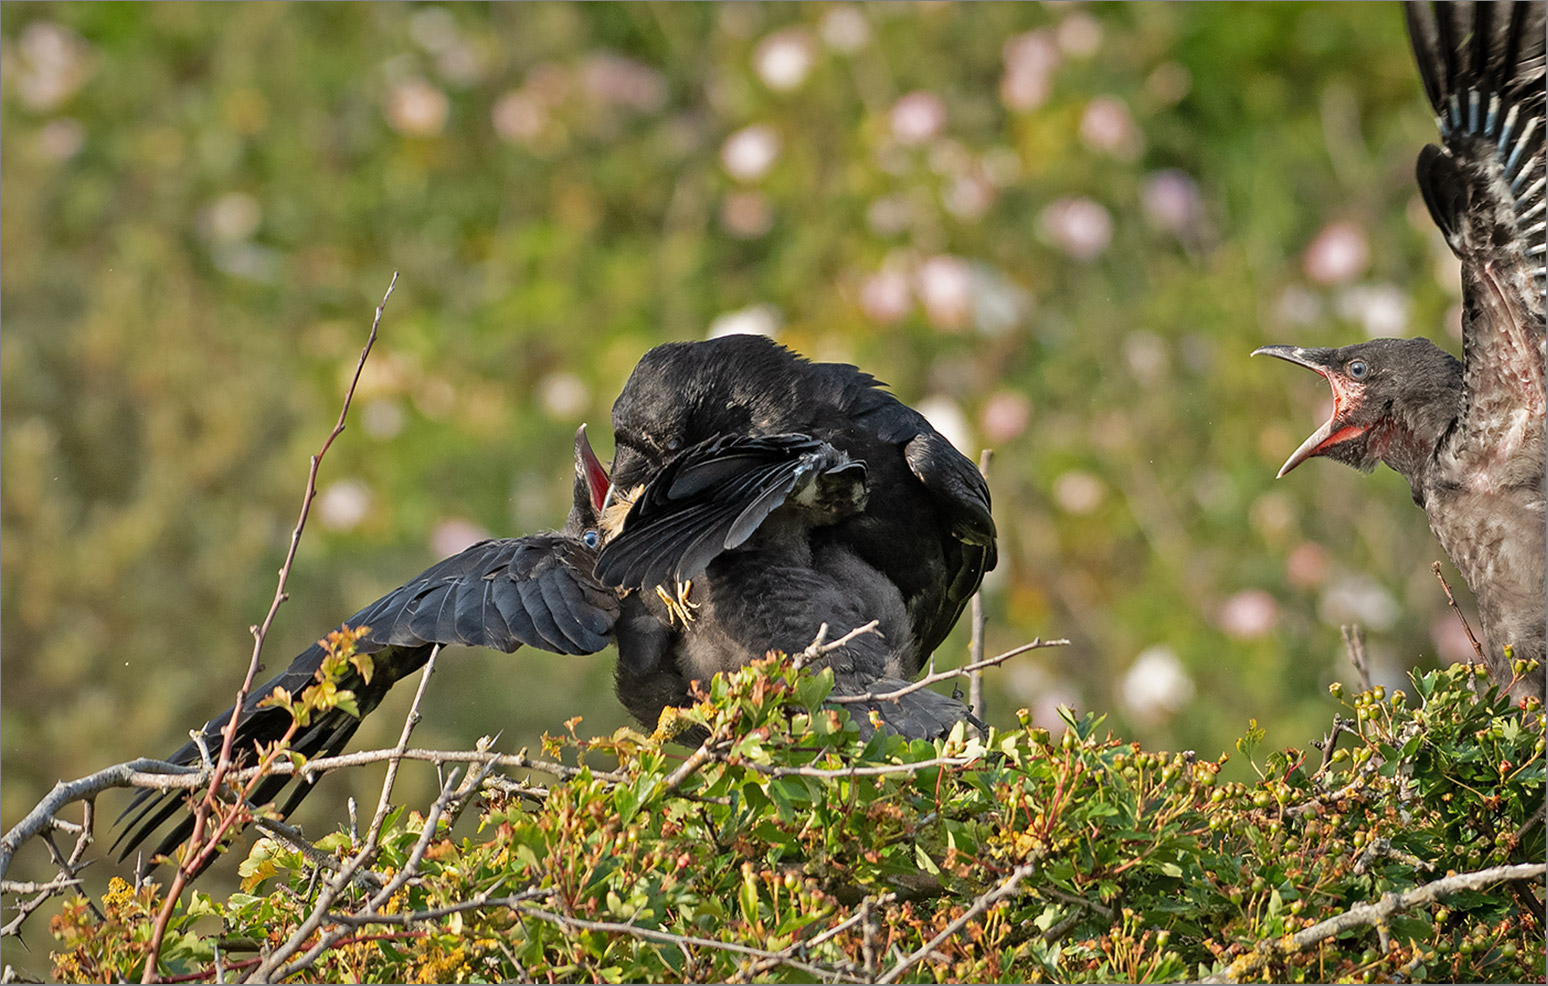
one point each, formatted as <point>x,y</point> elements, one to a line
<point>500,594</point>
<point>1483,69</point>
<point>712,498</point>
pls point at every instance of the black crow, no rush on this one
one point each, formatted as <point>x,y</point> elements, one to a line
<point>756,497</point>
<point>1469,436</point>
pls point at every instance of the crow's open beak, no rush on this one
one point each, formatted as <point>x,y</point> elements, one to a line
<point>1346,397</point>
<point>598,484</point>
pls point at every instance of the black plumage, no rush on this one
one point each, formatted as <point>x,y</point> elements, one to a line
<point>1469,436</point>
<point>755,497</point>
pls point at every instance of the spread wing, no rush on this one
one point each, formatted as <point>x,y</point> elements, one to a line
<point>1483,65</point>
<point>714,496</point>
<point>501,594</point>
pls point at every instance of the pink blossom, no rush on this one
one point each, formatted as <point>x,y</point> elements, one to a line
<point>415,108</point>
<point>1107,127</point>
<point>746,215</point>
<point>1079,226</point>
<point>1078,492</point>
<point>946,289</point>
<point>1338,254</point>
<point>917,116</point>
<point>1030,60</point>
<point>784,60</point>
<point>885,296</point>
<point>1171,200</point>
<point>749,153</point>
<point>845,29</point>
<point>1005,416</point>
<point>519,116</point>
<point>1248,615</point>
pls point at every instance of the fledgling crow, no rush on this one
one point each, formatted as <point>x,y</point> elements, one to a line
<point>1469,436</point>
<point>755,497</point>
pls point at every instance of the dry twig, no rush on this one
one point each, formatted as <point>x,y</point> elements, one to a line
<point>201,848</point>
<point>1477,649</point>
<point>931,679</point>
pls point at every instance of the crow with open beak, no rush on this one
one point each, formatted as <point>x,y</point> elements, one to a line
<point>755,497</point>
<point>1469,436</point>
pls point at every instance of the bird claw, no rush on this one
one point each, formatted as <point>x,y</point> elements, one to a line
<point>679,606</point>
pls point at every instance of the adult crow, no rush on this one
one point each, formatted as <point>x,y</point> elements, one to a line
<point>1468,436</point>
<point>756,497</point>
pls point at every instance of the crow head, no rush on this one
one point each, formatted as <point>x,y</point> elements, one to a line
<point>684,393</point>
<point>1393,401</point>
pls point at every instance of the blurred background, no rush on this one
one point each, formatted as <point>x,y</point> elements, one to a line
<point>1057,229</point>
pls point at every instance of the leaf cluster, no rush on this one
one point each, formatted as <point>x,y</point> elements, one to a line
<point>786,847</point>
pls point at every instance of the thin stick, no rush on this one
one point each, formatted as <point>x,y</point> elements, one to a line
<point>976,641</point>
<point>1354,647</point>
<point>931,679</point>
<point>199,852</point>
<point>1372,914</point>
<point>980,906</point>
<point>1436,568</point>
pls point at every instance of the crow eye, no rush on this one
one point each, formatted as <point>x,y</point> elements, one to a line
<point>591,538</point>
<point>1357,369</point>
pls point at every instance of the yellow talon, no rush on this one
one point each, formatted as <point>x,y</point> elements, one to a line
<point>679,607</point>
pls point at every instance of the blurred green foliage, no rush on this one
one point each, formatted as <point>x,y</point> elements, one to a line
<point>1064,225</point>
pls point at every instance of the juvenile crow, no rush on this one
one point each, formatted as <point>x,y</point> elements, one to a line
<point>756,496</point>
<point>1468,436</point>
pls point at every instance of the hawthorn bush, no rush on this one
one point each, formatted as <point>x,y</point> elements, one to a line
<point>787,848</point>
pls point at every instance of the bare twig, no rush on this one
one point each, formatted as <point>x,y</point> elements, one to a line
<point>697,759</point>
<point>931,679</point>
<point>980,906</point>
<point>684,941</point>
<point>976,641</point>
<point>1354,646</point>
<point>274,967</point>
<point>201,849</point>
<point>478,901</point>
<point>821,646</point>
<point>1477,649</point>
<point>28,887</point>
<point>69,868</point>
<point>1375,914</point>
<point>1329,743</point>
<point>798,949</point>
<point>367,853</point>
<point>133,773</point>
